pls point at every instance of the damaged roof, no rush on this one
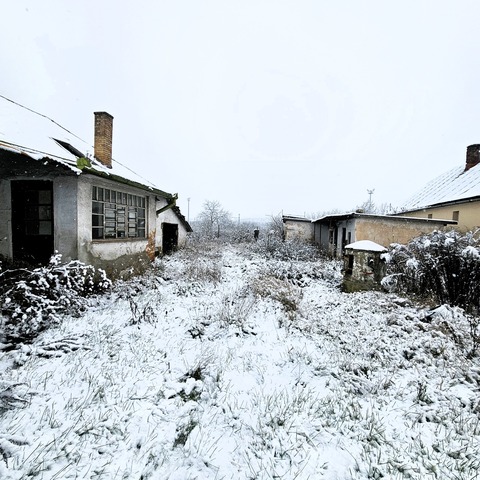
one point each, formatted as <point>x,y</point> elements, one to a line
<point>24,131</point>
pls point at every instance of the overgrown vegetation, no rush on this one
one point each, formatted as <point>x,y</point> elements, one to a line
<point>256,367</point>
<point>443,267</point>
<point>31,300</point>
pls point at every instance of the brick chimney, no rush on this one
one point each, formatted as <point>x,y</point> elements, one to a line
<point>473,156</point>
<point>103,138</point>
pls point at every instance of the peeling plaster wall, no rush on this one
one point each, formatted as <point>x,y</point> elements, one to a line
<point>367,270</point>
<point>381,230</point>
<point>298,230</point>
<point>387,231</point>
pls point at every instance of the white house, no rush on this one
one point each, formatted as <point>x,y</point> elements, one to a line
<point>54,197</point>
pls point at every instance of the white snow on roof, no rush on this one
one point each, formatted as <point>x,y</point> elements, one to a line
<point>456,184</point>
<point>367,245</point>
<point>25,131</point>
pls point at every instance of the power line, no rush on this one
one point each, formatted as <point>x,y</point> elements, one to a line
<point>42,115</point>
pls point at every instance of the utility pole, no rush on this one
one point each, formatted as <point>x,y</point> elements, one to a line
<point>370,193</point>
<point>188,210</point>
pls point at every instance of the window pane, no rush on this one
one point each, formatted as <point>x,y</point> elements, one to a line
<point>97,207</point>
<point>45,212</point>
<point>45,228</point>
<point>97,233</point>
<point>110,232</point>
<point>97,220</point>
<point>109,213</point>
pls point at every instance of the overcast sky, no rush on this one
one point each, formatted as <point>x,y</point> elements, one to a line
<point>267,106</point>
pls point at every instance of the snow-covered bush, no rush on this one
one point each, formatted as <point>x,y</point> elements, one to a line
<point>442,266</point>
<point>32,300</point>
<point>274,247</point>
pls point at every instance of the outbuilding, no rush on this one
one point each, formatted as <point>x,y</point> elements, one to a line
<point>364,267</point>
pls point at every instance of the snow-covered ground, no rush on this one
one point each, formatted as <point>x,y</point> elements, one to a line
<point>232,366</point>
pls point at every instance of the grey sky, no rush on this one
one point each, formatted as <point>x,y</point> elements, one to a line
<point>266,106</point>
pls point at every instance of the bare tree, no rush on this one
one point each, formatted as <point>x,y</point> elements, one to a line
<point>213,218</point>
<point>275,225</point>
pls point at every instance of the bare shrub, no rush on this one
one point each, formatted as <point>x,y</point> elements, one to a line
<point>269,286</point>
<point>274,247</point>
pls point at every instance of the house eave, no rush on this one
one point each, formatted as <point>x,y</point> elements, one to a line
<point>442,204</point>
<point>349,216</point>
<point>125,181</point>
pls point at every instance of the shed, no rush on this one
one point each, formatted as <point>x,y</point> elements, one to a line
<point>364,266</point>
<point>333,232</point>
<point>297,228</point>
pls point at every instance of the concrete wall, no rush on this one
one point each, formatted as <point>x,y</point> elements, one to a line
<point>381,230</point>
<point>65,217</point>
<point>298,230</point>
<point>468,215</point>
<point>332,240</point>
<point>363,270</point>
<point>386,231</point>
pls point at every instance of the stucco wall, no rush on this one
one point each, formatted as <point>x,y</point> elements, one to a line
<point>298,230</point>
<point>381,230</point>
<point>169,216</point>
<point>468,218</point>
<point>386,231</point>
<point>65,216</point>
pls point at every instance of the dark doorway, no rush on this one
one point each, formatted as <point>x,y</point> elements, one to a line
<point>32,220</point>
<point>170,237</point>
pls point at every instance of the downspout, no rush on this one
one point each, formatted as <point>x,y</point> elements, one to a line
<point>172,203</point>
